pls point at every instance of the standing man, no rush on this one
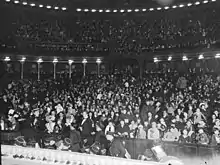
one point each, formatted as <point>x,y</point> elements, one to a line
<point>75,139</point>
<point>86,130</point>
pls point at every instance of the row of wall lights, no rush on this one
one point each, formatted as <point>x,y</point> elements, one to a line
<point>185,58</point>
<point>55,61</point>
<point>84,61</point>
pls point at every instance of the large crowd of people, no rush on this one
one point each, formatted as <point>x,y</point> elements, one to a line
<point>187,28</point>
<point>167,107</point>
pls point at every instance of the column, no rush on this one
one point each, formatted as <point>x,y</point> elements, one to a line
<point>84,67</point>
<point>98,61</point>
<point>39,61</point>
<point>22,70</point>
<point>38,71</point>
<point>55,61</point>
<point>22,67</point>
<point>70,68</point>
<point>54,70</point>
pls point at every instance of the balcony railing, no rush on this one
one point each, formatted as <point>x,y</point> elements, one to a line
<point>65,157</point>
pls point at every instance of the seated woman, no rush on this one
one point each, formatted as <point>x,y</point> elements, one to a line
<point>141,133</point>
<point>171,135</point>
<point>50,124</point>
<point>184,138</point>
<point>202,137</point>
<point>153,133</point>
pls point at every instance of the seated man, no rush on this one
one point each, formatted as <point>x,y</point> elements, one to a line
<point>123,129</point>
<point>110,129</point>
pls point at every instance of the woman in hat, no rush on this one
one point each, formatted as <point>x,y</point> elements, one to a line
<point>19,141</point>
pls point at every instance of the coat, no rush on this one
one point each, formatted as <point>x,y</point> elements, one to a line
<point>144,112</point>
<point>75,141</point>
<point>86,128</point>
<point>117,149</point>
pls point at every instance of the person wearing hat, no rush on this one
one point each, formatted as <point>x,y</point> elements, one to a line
<point>141,133</point>
<point>202,137</point>
<point>63,145</point>
<point>19,141</point>
<point>117,148</point>
<point>75,139</point>
<point>95,148</point>
<point>49,142</point>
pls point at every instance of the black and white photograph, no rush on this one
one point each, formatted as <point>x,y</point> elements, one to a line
<point>110,82</point>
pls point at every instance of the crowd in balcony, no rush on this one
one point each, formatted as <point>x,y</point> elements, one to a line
<point>161,107</point>
<point>127,34</point>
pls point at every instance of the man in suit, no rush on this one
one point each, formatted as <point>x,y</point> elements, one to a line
<point>147,107</point>
<point>86,129</point>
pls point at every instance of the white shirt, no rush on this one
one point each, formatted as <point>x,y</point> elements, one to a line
<point>83,121</point>
<point>2,126</point>
<point>109,129</point>
<point>50,127</point>
<point>99,96</point>
<point>126,85</point>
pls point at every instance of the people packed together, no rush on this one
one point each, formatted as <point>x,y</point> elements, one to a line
<point>71,114</point>
<point>187,28</point>
<point>92,108</point>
